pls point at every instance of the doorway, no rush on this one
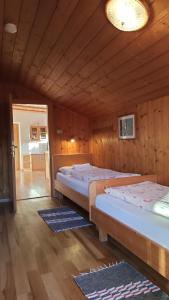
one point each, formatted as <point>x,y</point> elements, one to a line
<point>31,147</point>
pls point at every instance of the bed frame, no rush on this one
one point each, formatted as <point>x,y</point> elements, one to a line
<point>151,253</point>
<point>61,160</point>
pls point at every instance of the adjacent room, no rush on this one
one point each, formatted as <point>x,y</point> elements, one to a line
<point>31,146</point>
<point>84,149</point>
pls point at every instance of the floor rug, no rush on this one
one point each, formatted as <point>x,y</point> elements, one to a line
<point>118,282</point>
<point>63,218</point>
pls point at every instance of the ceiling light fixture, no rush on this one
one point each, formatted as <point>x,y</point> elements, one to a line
<point>128,15</point>
<point>10,28</point>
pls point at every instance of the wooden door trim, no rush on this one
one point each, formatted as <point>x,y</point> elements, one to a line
<point>51,144</point>
<point>19,137</point>
<point>11,158</point>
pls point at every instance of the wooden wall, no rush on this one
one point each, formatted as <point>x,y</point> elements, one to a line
<point>148,153</point>
<point>4,150</point>
<point>72,125</point>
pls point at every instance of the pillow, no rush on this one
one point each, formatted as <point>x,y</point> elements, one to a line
<point>82,166</point>
<point>66,170</point>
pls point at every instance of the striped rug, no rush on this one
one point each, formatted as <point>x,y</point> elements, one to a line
<point>118,282</point>
<point>63,218</point>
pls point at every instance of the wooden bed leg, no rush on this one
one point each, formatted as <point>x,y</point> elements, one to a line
<point>103,237</point>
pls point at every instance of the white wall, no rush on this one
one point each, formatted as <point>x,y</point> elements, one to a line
<point>26,119</point>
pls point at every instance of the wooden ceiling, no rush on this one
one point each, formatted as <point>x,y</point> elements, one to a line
<point>68,51</point>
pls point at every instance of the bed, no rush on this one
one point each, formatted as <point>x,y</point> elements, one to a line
<point>63,185</point>
<point>76,190</point>
<point>144,233</point>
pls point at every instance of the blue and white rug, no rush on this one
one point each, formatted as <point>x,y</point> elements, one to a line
<point>63,218</point>
<point>118,282</point>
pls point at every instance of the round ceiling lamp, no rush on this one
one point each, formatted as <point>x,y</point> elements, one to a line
<point>128,15</point>
<point>10,28</point>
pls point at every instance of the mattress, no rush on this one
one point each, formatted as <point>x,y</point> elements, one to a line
<point>150,225</point>
<point>148,195</point>
<point>77,185</point>
<point>94,173</point>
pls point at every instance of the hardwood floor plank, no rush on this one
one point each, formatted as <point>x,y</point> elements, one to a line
<point>31,184</point>
<point>18,266</point>
<point>37,286</point>
<point>43,266</point>
<point>73,292</point>
<point>51,286</point>
<point>2,297</point>
<point>25,297</point>
<point>89,245</point>
<point>40,264</point>
<point>3,276</point>
<point>10,288</point>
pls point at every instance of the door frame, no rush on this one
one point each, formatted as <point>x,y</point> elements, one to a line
<point>12,173</point>
<point>19,135</point>
<point>50,106</point>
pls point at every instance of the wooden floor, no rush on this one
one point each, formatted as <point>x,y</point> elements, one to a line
<point>38,264</point>
<point>31,185</point>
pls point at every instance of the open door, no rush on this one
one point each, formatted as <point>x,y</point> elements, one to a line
<point>12,158</point>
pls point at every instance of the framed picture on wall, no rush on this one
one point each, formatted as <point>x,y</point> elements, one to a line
<point>126,127</point>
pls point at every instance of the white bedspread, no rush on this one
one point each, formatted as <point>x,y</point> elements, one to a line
<point>77,185</point>
<point>153,226</point>
<point>95,173</point>
<point>148,195</point>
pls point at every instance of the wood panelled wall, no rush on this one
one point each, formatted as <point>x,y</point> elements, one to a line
<point>148,153</point>
<point>4,150</point>
<point>72,125</point>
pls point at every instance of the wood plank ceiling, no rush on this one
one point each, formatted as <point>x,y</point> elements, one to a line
<point>68,51</point>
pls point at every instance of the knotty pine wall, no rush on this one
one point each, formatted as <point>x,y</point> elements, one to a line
<point>4,150</point>
<point>72,125</point>
<point>148,153</point>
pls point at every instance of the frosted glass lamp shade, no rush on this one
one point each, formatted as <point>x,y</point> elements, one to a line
<point>127,15</point>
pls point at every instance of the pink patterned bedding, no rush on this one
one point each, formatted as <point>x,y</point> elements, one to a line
<point>148,195</point>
